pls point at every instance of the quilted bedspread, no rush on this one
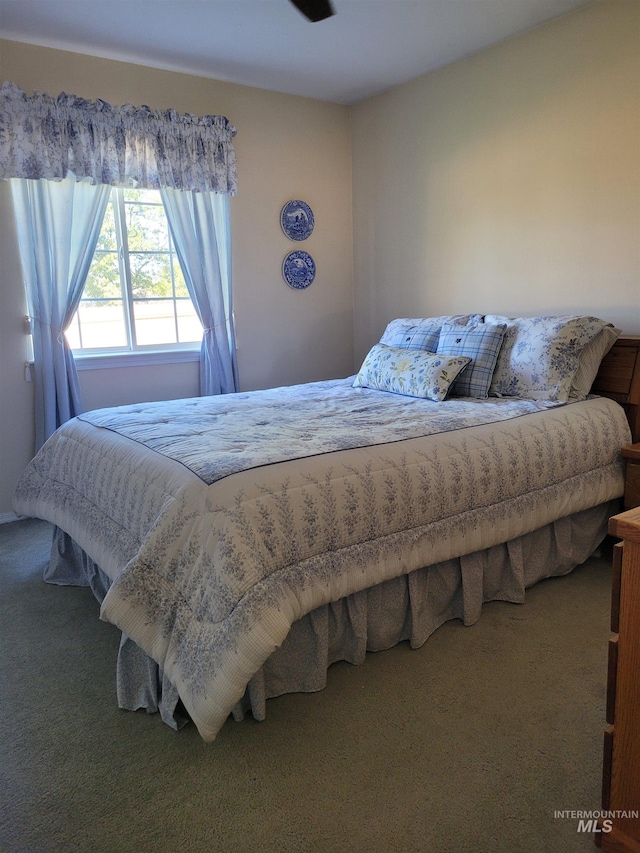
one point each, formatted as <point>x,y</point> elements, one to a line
<point>218,436</point>
<point>223,520</point>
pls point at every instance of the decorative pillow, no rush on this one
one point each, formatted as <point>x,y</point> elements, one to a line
<point>481,342</point>
<point>422,333</point>
<point>589,362</point>
<point>415,373</point>
<point>540,355</point>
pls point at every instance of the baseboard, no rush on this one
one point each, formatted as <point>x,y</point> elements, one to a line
<point>6,517</point>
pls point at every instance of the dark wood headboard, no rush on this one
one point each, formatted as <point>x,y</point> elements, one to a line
<point>619,379</point>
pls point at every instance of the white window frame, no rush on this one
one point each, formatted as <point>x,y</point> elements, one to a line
<point>132,353</point>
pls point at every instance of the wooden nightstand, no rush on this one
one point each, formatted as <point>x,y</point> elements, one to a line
<point>632,478</point>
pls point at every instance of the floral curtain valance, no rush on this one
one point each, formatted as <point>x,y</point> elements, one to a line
<point>53,138</point>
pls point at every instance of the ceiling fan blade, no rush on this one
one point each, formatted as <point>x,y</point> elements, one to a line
<point>314,10</point>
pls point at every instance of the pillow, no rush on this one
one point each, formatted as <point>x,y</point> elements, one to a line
<point>540,355</point>
<point>589,362</point>
<point>415,373</point>
<point>481,342</point>
<point>421,333</point>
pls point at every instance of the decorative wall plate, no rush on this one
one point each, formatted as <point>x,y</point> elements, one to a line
<point>298,269</point>
<point>296,219</point>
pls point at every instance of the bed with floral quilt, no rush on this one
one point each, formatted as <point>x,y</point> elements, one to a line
<point>245,542</point>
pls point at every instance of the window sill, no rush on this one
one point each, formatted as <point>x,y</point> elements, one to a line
<point>102,361</point>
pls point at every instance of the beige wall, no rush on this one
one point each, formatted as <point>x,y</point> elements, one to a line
<point>506,183</point>
<point>288,147</point>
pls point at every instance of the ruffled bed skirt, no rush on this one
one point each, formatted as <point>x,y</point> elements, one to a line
<point>410,607</point>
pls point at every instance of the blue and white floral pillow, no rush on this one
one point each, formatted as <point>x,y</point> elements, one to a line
<point>540,355</point>
<point>481,342</point>
<point>590,360</point>
<point>412,372</point>
<point>422,332</point>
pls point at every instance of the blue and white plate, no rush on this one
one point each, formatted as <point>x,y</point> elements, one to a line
<point>297,220</point>
<point>298,269</point>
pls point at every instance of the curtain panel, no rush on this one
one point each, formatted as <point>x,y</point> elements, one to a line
<point>58,226</point>
<point>42,137</point>
<point>199,224</point>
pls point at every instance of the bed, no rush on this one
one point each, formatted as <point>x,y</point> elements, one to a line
<point>244,543</point>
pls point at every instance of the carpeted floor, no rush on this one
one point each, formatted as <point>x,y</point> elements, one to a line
<point>467,745</point>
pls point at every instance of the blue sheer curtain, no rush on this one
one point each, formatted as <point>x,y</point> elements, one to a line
<point>58,225</point>
<point>200,227</point>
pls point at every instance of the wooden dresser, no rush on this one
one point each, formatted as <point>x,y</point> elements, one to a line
<point>621,770</point>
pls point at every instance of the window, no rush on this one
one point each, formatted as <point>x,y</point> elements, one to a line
<point>135,297</point>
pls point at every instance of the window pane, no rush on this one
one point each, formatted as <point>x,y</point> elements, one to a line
<point>103,280</point>
<point>147,229</point>
<point>72,333</point>
<point>155,322</point>
<point>178,280</point>
<point>139,270</point>
<point>150,274</point>
<point>142,196</point>
<point>107,238</point>
<point>102,324</point>
<point>189,327</point>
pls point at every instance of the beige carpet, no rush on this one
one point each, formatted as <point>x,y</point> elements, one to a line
<point>470,743</point>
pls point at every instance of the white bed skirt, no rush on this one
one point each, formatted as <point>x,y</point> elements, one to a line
<point>408,608</point>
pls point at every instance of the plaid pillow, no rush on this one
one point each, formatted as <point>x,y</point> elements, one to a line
<point>422,336</point>
<point>422,333</point>
<point>481,343</point>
